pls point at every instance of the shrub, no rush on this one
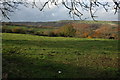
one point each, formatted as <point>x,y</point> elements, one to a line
<point>67,31</point>
<point>40,33</point>
<point>30,31</point>
<point>6,30</point>
<point>49,33</point>
<point>56,32</point>
<point>83,30</point>
<point>106,31</point>
<point>89,37</point>
<point>18,30</point>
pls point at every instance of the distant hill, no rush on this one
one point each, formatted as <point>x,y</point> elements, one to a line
<point>57,23</point>
<point>38,24</point>
<point>83,29</point>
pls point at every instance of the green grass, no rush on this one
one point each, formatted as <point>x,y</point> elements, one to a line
<point>8,26</point>
<point>91,22</point>
<point>30,56</point>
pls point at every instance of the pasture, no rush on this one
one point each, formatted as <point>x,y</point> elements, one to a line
<point>31,56</point>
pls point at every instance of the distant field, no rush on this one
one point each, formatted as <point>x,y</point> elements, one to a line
<point>32,28</point>
<point>81,29</point>
<point>60,23</point>
<point>31,56</point>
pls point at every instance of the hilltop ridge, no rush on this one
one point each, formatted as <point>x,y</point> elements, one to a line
<point>58,23</point>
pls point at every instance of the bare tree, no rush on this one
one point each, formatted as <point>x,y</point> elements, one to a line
<point>75,7</point>
<point>8,6</point>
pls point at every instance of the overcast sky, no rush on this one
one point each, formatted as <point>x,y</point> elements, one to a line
<point>55,13</point>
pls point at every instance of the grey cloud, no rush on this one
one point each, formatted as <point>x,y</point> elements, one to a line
<point>60,13</point>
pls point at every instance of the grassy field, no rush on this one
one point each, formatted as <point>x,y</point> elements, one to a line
<point>30,56</point>
<point>32,28</point>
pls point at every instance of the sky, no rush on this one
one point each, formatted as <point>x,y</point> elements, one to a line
<point>54,13</point>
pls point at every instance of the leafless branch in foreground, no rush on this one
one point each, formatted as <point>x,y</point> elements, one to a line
<point>75,7</point>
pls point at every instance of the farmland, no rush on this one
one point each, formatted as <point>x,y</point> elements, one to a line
<point>79,29</point>
<point>32,56</point>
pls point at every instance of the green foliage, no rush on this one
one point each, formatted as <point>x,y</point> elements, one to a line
<point>67,31</point>
<point>49,33</point>
<point>30,31</point>
<point>18,30</point>
<point>6,30</point>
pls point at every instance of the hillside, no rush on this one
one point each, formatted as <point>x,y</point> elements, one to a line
<point>66,28</point>
<point>57,23</point>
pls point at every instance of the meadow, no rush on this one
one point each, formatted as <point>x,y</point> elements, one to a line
<point>32,56</point>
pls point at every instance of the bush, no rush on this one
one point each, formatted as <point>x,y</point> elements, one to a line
<point>89,37</point>
<point>40,33</point>
<point>67,31</point>
<point>56,32</point>
<point>30,31</point>
<point>106,31</point>
<point>18,30</point>
<point>49,33</point>
<point>6,30</point>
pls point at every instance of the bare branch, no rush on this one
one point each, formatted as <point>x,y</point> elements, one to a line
<point>75,7</point>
